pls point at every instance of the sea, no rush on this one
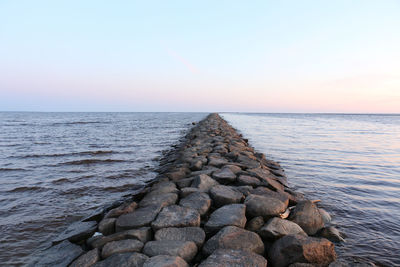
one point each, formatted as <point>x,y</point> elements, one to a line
<point>56,168</point>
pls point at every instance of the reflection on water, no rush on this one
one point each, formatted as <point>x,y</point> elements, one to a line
<point>57,167</point>
<point>350,162</point>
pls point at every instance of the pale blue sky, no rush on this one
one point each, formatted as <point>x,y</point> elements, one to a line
<point>263,56</point>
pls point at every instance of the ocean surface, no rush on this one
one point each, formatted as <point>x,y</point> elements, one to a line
<point>56,168</point>
<point>350,162</point>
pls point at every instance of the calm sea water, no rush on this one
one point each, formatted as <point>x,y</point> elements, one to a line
<point>350,162</point>
<point>57,167</point>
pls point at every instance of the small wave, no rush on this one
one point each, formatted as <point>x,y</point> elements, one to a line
<point>60,181</point>
<point>75,122</point>
<point>26,189</point>
<point>83,153</point>
<point>11,169</point>
<point>90,161</point>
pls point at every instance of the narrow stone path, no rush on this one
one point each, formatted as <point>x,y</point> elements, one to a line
<point>216,202</point>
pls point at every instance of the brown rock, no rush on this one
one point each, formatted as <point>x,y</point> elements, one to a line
<point>107,226</point>
<point>307,215</point>
<point>229,215</point>
<point>176,216</point>
<point>187,250</point>
<point>165,261</point>
<point>195,234</point>
<point>224,195</point>
<point>87,259</point>
<point>276,228</point>
<point>127,245</point>
<point>230,257</point>
<point>263,206</point>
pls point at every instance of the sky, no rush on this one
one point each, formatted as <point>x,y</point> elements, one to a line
<point>212,56</point>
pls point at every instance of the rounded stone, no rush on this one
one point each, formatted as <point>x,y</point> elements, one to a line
<point>229,215</point>
<point>276,228</point>
<point>264,206</point>
<point>198,201</point>
<point>223,195</point>
<point>127,245</point>
<point>165,261</point>
<point>195,234</point>
<point>176,216</point>
<point>230,257</point>
<point>187,250</point>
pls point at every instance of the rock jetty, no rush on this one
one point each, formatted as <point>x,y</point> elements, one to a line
<point>215,202</point>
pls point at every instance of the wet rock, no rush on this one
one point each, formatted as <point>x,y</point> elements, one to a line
<point>217,162</point>
<point>232,237</point>
<point>230,257</point>
<point>224,175</point>
<point>302,249</point>
<point>234,168</point>
<point>165,261</point>
<point>77,231</point>
<point>187,250</point>
<point>325,216</point>
<point>107,226</point>
<point>183,183</point>
<point>176,175</point>
<point>244,189</point>
<point>61,254</point>
<point>127,245</point>
<point>276,228</point>
<point>194,234</point>
<point>196,165</point>
<point>123,209</point>
<point>332,234</point>
<point>263,206</point>
<point>307,215</point>
<point>142,234</point>
<point>223,195</point>
<point>87,259</point>
<point>161,200</point>
<point>264,191</point>
<point>163,187</point>
<point>176,216</point>
<point>229,215</point>
<point>198,201</point>
<point>248,180</point>
<point>266,178</point>
<point>255,224</point>
<point>127,259</point>
<point>187,191</point>
<point>246,160</point>
<point>203,182</point>
<point>138,218</point>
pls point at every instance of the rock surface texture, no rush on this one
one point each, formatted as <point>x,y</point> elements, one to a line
<point>215,202</point>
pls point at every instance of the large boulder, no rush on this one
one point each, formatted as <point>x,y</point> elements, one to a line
<point>255,224</point>
<point>223,195</point>
<point>127,245</point>
<point>123,259</point>
<point>248,180</point>
<point>302,249</point>
<point>123,209</point>
<point>229,215</point>
<point>264,206</point>
<point>266,192</point>
<point>307,215</point>
<point>276,228</point>
<point>230,257</point>
<point>187,250</point>
<point>76,232</point>
<point>165,261</point>
<point>176,216</point>
<point>224,175</point>
<point>87,259</point>
<point>107,226</point>
<point>162,200</point>
<point>142,234</point>
<point>203,182</point>
<point>232,237</point>
<point>198,201</point>
<point>140,217</point>
<point>195,234</point>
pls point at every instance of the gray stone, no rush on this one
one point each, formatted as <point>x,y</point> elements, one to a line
<point>332,234</point>
<point>123,209</point>
<point>244,189</point>
<point>121,246</point>
<point>176,216</point>
<point>187,191</point>
<point>165,261</point>
<point>223,195</point>
<point>232,237</point>
<point>198,201</point>
<point>183,183</point>
<point>302,249</point>
<point>266,178</point>
<point>164,187</point>
<point>196,165</point>
<point>276,228</point>
<point>263,206</point>
<point>203,182</point>
<point>142,234</point>
<point>87,259</point>
<point>138,218</point>
<point>127,259</point>
<point>234,168</point>
<point>229,215</point>
<point>77,231</point>
<point>195,234</point>
<point>255,224</point>
<point>237,258</point>
<point>224,175</point>
<point>61,254</point>
<point>161,200</point>
<point>187,250</point>
<point>217,162</point>
<point>107,226</point>
<point>208,170</point>
<point>248,180</point>
<point>266,192</point>
<point>306,214</point>
<point>325,216</point>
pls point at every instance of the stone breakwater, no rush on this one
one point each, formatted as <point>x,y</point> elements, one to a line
<point>215,202</point>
